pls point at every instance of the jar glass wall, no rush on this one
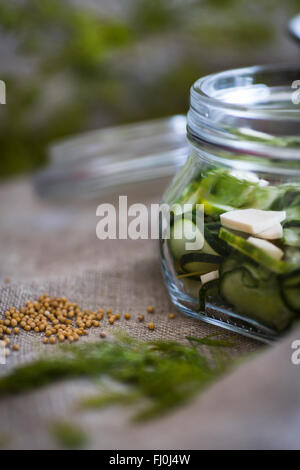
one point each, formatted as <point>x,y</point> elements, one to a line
<point>239,195</point>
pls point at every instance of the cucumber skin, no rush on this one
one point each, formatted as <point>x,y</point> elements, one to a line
<point>201,263</point>
<point>212,288</point>
<point>255,253</point>
<point>290,285</point>
<point>262,303</point>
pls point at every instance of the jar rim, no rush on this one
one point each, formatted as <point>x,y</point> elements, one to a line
<point>253,110</point>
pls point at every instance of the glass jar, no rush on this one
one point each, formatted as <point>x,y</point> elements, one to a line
<point>240,191</point>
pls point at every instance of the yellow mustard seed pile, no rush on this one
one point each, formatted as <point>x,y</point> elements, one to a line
<point>55,317</point>
<point>58,320</point>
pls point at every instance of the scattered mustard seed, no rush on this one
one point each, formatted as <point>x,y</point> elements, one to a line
<point>150,309</point>
<point>15,347</point>
<point>172,315</point>
<point>141,318</point>
<point>127,316</point>
<point>151,326</point>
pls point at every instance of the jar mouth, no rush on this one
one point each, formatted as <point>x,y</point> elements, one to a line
<point>253,110</point>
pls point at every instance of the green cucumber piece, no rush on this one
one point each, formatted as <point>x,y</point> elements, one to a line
<point>199,263</point>
<point>178,245</point>
<point>264,197</point>
<point>291,223</point>
<point>292,257</point>
<point>255,253</point>
<point>239,261</point>
<point>211,234</point>
<point>290,291</point>
<point>215,209</point>
<point>291,236</point>
<point>210,289</point>
<point>260,301</point>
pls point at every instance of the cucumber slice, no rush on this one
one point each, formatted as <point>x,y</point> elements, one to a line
<point>200,263</point>
<point>210,289</point>
<point>188,229</point>
<point>292,257</point>
<point>234,262</point>
<point>290,291</point>
<point>215,209</point>
<point>229,264</point>
<point>261,302</point>
<point>211,234</point>
<point>291,298</point>
<point>254,252</point>
<point>291,236</point>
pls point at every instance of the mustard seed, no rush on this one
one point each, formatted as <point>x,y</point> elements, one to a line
<point>151,326</point>
<point>127,316</point>
<point>150,309</point>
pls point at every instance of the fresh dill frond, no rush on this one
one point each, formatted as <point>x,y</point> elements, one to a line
<point>158,375</point>
<point>209,341</point>
<point>68,435</point>
<point>103,400</point>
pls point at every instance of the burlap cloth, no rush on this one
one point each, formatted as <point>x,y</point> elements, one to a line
<point>52,247</point>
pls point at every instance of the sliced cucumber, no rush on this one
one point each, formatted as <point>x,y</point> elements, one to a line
<point>240,261</point>
<point>211,234</point>
<point>215,209</point>
<point>290,291</point>
<point>200,263</point>
<point>229,264</point>
<point>291,223</point>
<point>291,236</point>
<point>210,289</point>
<point>254,252</point>
<point>259,301</point>
<point>264,197</point>
<point>292,257</point>
<point>189,231</point>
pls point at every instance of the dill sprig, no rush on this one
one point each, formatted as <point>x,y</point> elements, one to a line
<point>68,435</point>
<point>164,374</point>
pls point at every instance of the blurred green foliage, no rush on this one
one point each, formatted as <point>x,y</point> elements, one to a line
<point>87,68</point>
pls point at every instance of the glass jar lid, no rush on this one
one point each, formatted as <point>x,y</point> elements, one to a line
<point>96,162</point>
<point>253,111</point>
